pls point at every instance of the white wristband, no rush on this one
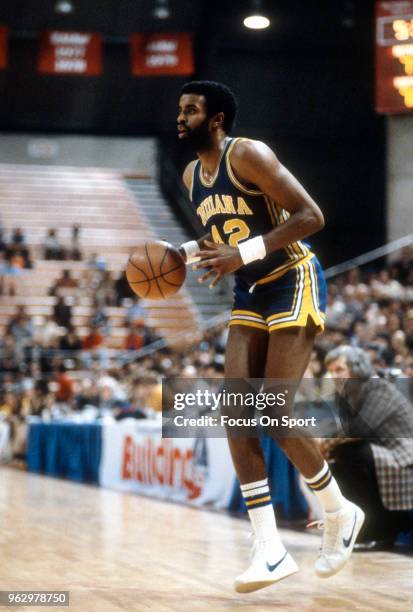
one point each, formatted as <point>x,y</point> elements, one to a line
<point>191,249</point>
<point>252,249</point>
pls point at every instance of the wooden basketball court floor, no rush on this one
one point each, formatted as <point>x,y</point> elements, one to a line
<point>121,552</point>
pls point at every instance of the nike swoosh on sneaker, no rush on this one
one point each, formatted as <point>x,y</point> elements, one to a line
<point>347,541</point>
<point>271,568</point>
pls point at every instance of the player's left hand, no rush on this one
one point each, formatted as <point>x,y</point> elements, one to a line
<point>220,259</point>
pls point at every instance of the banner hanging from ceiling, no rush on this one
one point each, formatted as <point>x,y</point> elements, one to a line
<point>162,54</point>
<point>394,56</point>
<point>78,53</point>
<point>4,36</point>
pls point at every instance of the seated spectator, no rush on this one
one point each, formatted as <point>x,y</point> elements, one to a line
<point>92,276</point>
<point>70,341</point>
<point>136,312</point>
<point>47,332</point>
<point>17,236</point>
<point>136,337</point>
<point>122,289</point>
<point>93,340</point>
<point>16,250</point>
<point>74,252</point>
<point>17,260</point>
<point>66,281</point>
<point>52,249</point>
<point>105,290</point>
<point>86,394</point>
<point>111,386</point>
<point>62,311</point>
<point>100,318</point>
<point>8,403</point>
<point>373,464</point>
<point>404,264</point>
<point>7,283</point>
<point>2,238</point>
<point>20,327</point>
<point>147,393</point>
<point>97,262</point>
<point>94,349</point>
<point>10,356</point>
<point>65,386</point>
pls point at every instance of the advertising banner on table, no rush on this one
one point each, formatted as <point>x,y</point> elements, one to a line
<point>78,53</point>
<point>4,40</point>
<point>136,458</point>
<point>161,54</point>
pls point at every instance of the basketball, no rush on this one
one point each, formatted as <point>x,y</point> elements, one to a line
<point>155,270</point>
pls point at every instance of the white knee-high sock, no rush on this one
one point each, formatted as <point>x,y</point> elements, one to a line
<point>257,498</point>
<point>325,486</point>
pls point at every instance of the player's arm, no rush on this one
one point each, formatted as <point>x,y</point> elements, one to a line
<point>255,163</point>
<point>189,250</point>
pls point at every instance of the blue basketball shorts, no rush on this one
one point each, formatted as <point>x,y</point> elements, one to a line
<point>289,300</point>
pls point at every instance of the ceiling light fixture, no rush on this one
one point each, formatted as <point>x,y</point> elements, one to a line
<point>161,9</point>
<point>64,7</point>
<point>256,20</point>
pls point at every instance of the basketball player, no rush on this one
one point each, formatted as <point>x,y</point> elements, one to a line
<point>256,215</point>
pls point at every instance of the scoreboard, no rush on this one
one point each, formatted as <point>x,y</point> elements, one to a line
<point>394,56</point>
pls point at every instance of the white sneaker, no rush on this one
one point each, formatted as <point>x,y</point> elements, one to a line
<point>341,529</point>
<point>269,563</point>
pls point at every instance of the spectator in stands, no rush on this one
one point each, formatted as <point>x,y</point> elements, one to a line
<point>148,393</point>
<point>136,312</point>
<point>3,273</point>
<point>2,237</point>
<point>17,237</point>
<point>408,325</point>
<point>94,348</point>
<point>46,333</point>
<point>65,282</point>
<point>86,394</point>
<point>8,403</point>
<point>93,340</point>
<point>404,264</point>
<point>136,337</point>
<point>10,269</point>
<point>10,356</point>
<point>100,318</point>
<point>74,252</point>
<point>70,342</point>
<point>16,250</point>
<point>105,291</point>
<point>373,464</point>
<point>122,289</point>
<point>65,386</point>
<point>62,311</point>
<point>97,262</point>
<point>20,327</point>
<point>111,388</point>
<point>52,249</point>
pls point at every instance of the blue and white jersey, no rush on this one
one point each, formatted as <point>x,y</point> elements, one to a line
<point>233,212</point>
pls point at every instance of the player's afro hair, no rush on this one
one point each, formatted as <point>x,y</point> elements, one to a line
<point>219,99</point>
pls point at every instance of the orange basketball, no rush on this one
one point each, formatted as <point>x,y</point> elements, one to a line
<point>155,270</point>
